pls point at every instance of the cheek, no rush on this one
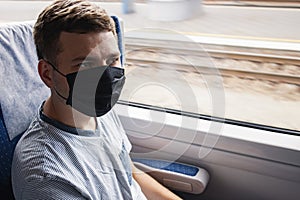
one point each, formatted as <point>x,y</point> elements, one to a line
<point>61,84</point>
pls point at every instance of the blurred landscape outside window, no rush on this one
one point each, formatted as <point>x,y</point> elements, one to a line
<point>248,84</point>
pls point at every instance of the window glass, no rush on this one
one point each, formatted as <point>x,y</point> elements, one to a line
<point>173,72</point>
<point>255,65</point>
<point>235,61</point>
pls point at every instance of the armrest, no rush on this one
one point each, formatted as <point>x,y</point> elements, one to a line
<point>177,176</point>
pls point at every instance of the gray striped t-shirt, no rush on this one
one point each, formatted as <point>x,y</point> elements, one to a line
<point>55,161</point>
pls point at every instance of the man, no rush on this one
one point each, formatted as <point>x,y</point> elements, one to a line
<point>76,147</point>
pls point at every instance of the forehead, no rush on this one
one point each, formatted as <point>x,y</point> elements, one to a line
<point>99,44</point>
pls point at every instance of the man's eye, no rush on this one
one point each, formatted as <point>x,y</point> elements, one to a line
<point>87,65</point>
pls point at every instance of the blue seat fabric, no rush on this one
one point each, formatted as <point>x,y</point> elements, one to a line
<point>6,148</point>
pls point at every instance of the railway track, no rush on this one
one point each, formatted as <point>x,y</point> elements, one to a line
<point>183,50</point>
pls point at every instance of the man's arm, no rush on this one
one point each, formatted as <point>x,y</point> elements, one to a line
<point>150,187</point>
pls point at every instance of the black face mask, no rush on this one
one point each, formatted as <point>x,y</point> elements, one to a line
<point>94,91</point>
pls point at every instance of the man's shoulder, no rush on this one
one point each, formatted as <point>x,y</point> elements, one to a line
<point>30,145</point>
<point>34,134</point>
<point>35,146</point>
<point>39,154</point>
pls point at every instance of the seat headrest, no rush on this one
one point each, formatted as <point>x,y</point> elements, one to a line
<point>22,89</point>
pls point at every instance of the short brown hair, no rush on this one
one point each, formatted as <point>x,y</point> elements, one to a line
<point>75,16</point>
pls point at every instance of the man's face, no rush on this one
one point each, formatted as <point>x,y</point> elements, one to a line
<point>83,51</point>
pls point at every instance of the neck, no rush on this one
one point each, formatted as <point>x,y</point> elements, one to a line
<point>58,110</point>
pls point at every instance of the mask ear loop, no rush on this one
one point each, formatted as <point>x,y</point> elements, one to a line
<point>55,69</point>
<point>53,66</point>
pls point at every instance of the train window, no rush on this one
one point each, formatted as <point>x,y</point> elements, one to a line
<point>241,67</point>
<point>245,75</point>
<point>171,73</point>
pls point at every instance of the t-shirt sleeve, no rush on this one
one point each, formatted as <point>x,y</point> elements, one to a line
<point>45,188</point>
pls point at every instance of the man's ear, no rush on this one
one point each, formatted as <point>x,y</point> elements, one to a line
<point>45,72</point>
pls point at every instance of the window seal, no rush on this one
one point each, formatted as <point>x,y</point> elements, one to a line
<point>213,118</point>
